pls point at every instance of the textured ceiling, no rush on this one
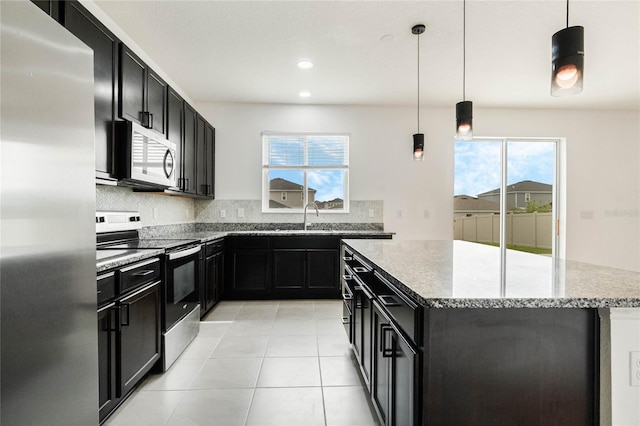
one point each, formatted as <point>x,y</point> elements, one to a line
<point>246,51</point>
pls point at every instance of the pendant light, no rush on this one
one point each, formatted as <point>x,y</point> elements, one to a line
<point>418,138</point>
<point>464,109</point>
<point>567,60</point>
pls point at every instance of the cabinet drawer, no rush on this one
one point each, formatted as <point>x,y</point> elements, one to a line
<point>250,243</point>
<point>404,312</point>
<point>138,274</point>
<point>106,287</point>
<point>317,242</point>
<point>214,247</point>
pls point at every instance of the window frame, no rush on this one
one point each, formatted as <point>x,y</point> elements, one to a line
<point>305,168</point>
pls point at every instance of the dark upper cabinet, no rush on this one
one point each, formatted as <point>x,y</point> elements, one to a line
<point>143,94</point>
<point>188,177</point>
<point>210,160</point>
<point>156,101</point>
<point>50,7</point>
<point>205,157</point>
<point>201,157</point>
<point>175,126</point>
<point>105,65</point>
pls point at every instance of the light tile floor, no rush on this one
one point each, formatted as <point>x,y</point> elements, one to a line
<point>258,363</point>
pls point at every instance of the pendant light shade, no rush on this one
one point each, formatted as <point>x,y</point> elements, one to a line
<point>464,109</point>
<point>418,146</point>
<point>464,120</point>
<point>418,138</point>
<point>567,61</point>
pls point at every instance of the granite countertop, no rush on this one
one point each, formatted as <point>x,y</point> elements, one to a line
<point>460,274</point>
<point>109,259</point>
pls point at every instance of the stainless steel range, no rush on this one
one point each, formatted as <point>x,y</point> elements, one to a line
<point>182,260</point>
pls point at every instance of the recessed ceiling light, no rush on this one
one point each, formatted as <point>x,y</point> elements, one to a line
<point>388,37</point>
<point>304,94</point>
<point>305,64</point>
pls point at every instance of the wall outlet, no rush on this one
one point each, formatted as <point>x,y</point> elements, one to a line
<point>223,213</point>
<point>398,214</point>
<point>186,213</point>
<point>155,212</point>
<point>634,368</point>
<point>240,212</point>
<point>371,212</point>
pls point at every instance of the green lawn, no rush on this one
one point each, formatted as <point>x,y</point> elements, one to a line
<point>533,250</point>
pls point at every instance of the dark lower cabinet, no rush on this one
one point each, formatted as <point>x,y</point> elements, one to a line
<point>107,397</point>
<point>395,364</point>
<point>289,269</point>
<point>211,291</point>
<point>129,343</point>
<point>139,325</point>
<point>518,366</point>
<point>362,333</point>
<point>249,272</point>
<point>322,269</point>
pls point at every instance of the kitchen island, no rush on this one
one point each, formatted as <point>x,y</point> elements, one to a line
<point>475,351</point>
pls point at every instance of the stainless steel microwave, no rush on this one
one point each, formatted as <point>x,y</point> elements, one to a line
<point>143,157</point>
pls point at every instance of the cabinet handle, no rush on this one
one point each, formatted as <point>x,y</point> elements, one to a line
<point>346,320</point>
<point>360,269</point>
<point>186,184</point>
<point>388,300</point>
<point>347,277</point>
<point>126,323</point>
<point>386,352</point>
<point>150,120</point>
<point>347,297</point>
<point>347,258</point>
<point>143,273</point>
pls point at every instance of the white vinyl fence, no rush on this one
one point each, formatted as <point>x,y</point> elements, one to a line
<point>523,229</point>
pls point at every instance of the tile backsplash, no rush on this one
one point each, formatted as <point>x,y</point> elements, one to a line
<point>154,208</point>
<point>161,209</point>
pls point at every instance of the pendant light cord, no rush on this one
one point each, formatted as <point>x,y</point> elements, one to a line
<point>567,13</point>
<point>464,50</point>
<point>418,83</point>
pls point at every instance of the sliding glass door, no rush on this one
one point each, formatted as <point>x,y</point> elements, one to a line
<point>506,200</point>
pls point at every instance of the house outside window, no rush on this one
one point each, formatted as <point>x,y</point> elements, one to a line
<point>301,168</point>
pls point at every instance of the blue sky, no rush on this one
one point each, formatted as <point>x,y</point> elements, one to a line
<point>477,164</point>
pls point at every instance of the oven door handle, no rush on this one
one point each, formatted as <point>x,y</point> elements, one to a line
<point>184,253</point>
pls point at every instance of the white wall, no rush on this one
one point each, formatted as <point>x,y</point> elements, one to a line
<point>602,165</point>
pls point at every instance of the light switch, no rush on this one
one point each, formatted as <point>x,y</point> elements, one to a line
<point>240,212</point>
<point>371,212</point>
<point>223,213</point>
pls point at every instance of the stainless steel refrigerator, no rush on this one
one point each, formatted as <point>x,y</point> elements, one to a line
<point>49,361</point>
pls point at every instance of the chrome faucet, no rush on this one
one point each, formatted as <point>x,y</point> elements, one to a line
<point>305,213</point>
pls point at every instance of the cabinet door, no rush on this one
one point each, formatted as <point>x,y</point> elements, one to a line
<point>382,366</point>
<point>189,151</point>
<point>132,86</point>
<point>139,335</point>
<point>219,286</point>
<point>175,125</point>
<point>208,294</point>
<point>201,157</point>
<point>405,367</point>
<point>288,269</point>
<point>250,271</point>
<point>106,361</point>
<point>210,159</point>
<point>105,54</point>
<point>156,100</point>
<point>322,269</point>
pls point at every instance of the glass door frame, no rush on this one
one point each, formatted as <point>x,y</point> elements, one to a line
<point>558,200</point>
